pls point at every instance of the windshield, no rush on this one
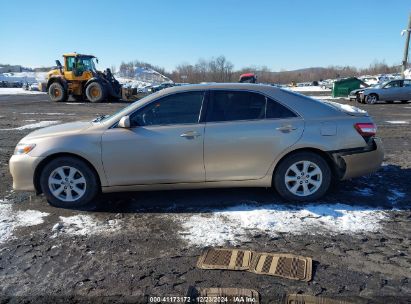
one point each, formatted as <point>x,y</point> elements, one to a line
<point>377,85</point>
<point>125,110</point>
<point>86,64</point>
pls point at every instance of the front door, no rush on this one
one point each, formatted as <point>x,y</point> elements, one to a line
<point>391,91</point>
<point>69,65</point>
<point>244,134</point>
<point>163,145</point>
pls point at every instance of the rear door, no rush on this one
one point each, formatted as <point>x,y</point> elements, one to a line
<point>245,132</point>
<point>406,90</point>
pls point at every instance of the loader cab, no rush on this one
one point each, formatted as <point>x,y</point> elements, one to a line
<point>79,67</point>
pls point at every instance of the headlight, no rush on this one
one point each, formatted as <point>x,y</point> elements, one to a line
<point>23,148</point>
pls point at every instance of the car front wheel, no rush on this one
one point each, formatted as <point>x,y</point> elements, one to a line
<point>302,176</point>
<point>371,99</point>
<point>68,182</point>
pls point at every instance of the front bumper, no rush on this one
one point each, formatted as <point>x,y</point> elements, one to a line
<point>22,168</point>
<point>361,163</point>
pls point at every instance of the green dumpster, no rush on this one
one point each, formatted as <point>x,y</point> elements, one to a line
<point>343,87</point>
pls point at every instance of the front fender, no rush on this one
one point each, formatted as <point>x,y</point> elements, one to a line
<point>86,146</point>
<point>59,79</point>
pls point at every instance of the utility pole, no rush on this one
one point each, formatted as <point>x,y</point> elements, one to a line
<point>407,44</point>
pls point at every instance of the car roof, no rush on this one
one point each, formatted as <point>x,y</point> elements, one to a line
<point>221,86</point>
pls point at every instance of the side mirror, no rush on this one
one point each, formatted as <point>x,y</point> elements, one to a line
<point>124,122</point>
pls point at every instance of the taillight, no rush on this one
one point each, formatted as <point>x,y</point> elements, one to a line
<point>366,129</point>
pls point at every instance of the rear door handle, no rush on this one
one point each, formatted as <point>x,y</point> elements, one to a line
<point>286,128</point>
<point>190,134</point>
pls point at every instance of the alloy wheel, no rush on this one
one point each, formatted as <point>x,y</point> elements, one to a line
<point>371,99</point>
<point>67,183</point>
<point>303,178</point>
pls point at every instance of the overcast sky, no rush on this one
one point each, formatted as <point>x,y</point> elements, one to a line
<point>278,34</point>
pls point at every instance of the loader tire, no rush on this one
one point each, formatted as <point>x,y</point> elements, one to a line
<point>96,92</point>
<point>57,92</point>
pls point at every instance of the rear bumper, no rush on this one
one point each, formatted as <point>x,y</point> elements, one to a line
<point>359,163</point>
<point>22,169</point>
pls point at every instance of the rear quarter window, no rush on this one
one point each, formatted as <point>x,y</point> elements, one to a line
<point>276,110</point>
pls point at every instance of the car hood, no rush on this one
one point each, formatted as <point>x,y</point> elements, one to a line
<point>59,130</point>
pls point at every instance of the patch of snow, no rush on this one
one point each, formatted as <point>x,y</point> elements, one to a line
<point>308,89</point>
<point>397,122</point>
<point>239,223</point>
<point>133,83</point>
<point>322,97</point>
<point>29,77</point>
<point>142,77</point>
<point>29,120</point>
<point>85,225</point>
<point>10,220</point>
<point>37,125</point>
<point>18,91</point>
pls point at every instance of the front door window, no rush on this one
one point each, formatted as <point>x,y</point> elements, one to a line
<point>181,108</point>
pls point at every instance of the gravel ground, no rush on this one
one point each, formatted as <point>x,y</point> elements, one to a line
<point>134,245</point>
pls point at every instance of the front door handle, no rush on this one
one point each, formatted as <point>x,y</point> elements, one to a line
<point>286,128</point>
<point>190,134</point>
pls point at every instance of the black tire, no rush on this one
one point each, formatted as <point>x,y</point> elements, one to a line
<point>286,163</point>
<point>96,92</point>
<point>57,92</point>
<point>371,99</point>
<point>358,98</point>
<point>91,188</point>
<point>404,101</point>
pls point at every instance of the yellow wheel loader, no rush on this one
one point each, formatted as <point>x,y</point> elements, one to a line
<point>80,79</point>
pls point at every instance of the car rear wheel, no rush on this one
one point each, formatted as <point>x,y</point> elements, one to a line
<point>68,182</point>
<point>371,99</point>
<point>302,176</point>
<point>96,92</point>
<point>57,92</point>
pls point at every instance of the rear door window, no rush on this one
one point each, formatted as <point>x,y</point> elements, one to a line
<point>235,105</point>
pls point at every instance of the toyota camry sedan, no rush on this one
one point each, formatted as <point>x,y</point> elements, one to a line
<point>198,136</point>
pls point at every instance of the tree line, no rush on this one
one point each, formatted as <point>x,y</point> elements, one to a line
<point>220,69</point>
